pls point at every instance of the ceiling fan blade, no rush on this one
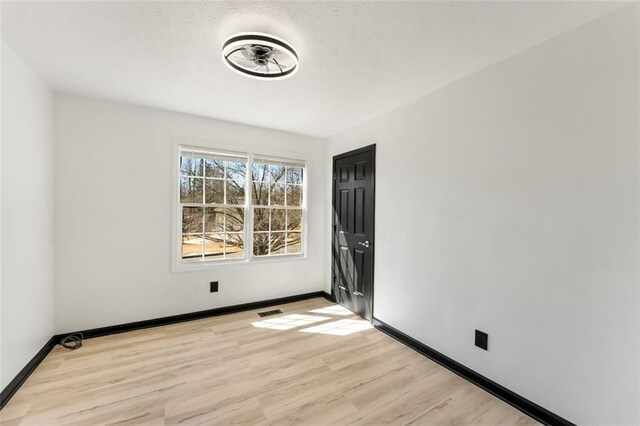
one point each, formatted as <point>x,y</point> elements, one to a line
<point>278,54</point>
<point>233,52</point>
<point>244,63</point>
<point>278,64</point>
<point>247,52</point>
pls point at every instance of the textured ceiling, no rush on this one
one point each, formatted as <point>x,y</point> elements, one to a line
<point>357,59</point>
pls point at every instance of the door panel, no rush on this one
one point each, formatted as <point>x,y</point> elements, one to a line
<point>353,230</point>
<point>359,216</point>
<point>344,211</point>
<point>358,271</point>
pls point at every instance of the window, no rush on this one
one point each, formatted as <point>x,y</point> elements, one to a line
<point>276,188</point>
<point>237,207</point>
<point>212,202</point>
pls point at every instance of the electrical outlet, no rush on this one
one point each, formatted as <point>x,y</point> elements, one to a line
<point>482,340</point>
<point>213,287</point>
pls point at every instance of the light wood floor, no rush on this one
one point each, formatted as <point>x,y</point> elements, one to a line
<point>241,369</point>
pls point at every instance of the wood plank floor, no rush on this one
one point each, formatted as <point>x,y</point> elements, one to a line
<point>314,364</point>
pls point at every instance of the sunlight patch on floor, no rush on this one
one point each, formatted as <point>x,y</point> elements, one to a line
<point>339,328</point>
<point>333,310</point>
<point>288,322</point>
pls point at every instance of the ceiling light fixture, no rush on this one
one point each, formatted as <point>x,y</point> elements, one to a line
<point>260,56</point>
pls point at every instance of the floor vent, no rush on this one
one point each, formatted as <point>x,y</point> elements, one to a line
<point>269,313</point>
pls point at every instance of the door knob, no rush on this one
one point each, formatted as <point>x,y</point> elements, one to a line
<point>366,243</point>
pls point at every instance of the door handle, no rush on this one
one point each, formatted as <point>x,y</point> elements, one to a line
<point>366,244</point>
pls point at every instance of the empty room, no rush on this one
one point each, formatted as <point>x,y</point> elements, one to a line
<point>320,212</point>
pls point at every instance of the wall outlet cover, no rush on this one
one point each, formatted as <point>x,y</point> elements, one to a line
<point>482,340</point>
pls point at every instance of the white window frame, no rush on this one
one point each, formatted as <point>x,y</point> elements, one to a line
<point>182,265</point>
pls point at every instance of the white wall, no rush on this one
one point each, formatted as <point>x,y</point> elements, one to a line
<point>508,202</point>
<point>114,177</point>
<point>27,214</point>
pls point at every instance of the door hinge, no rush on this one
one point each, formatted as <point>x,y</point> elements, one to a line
<point>335,176</point>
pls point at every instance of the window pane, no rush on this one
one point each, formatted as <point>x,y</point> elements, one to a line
<point>214,219</point>
<point>294,220</point>
<point>260,244</point>
<point>190,190</point>
<point>214,168</point>
<point>191,220</point>
<point>235,192</point>
<point>214,191</point>
<point>234,220</point>
<point>277,242</point>
<point>294,242</point>
<point>278,173</point>
<point>236,179</point>
<point>294,195</point>
<point>261,219</point>
<point>235,246</point>
<point>278,218</point>
<point>260,172</point>
<point>294,175</point>
<point>191,246</point>
<point>213,245</point>
<point>277,194</point>
<point>236,170</point>
<point>191,166</point>
<point>260,192</point>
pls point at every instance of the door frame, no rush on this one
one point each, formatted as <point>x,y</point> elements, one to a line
<point>369,148</point>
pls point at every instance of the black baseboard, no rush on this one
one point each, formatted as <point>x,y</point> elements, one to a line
<point>529,408</point>
<point>173,319</point>
<point>15,384</point>
<point>328,296</point>
<point>22,376</point>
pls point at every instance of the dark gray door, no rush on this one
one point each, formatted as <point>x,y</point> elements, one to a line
<point>353,230</point>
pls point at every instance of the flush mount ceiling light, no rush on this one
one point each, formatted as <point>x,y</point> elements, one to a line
<point>260,56</point>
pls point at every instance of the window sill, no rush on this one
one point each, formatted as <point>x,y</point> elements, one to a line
<point>278,258</point>
<point>204,265</point>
